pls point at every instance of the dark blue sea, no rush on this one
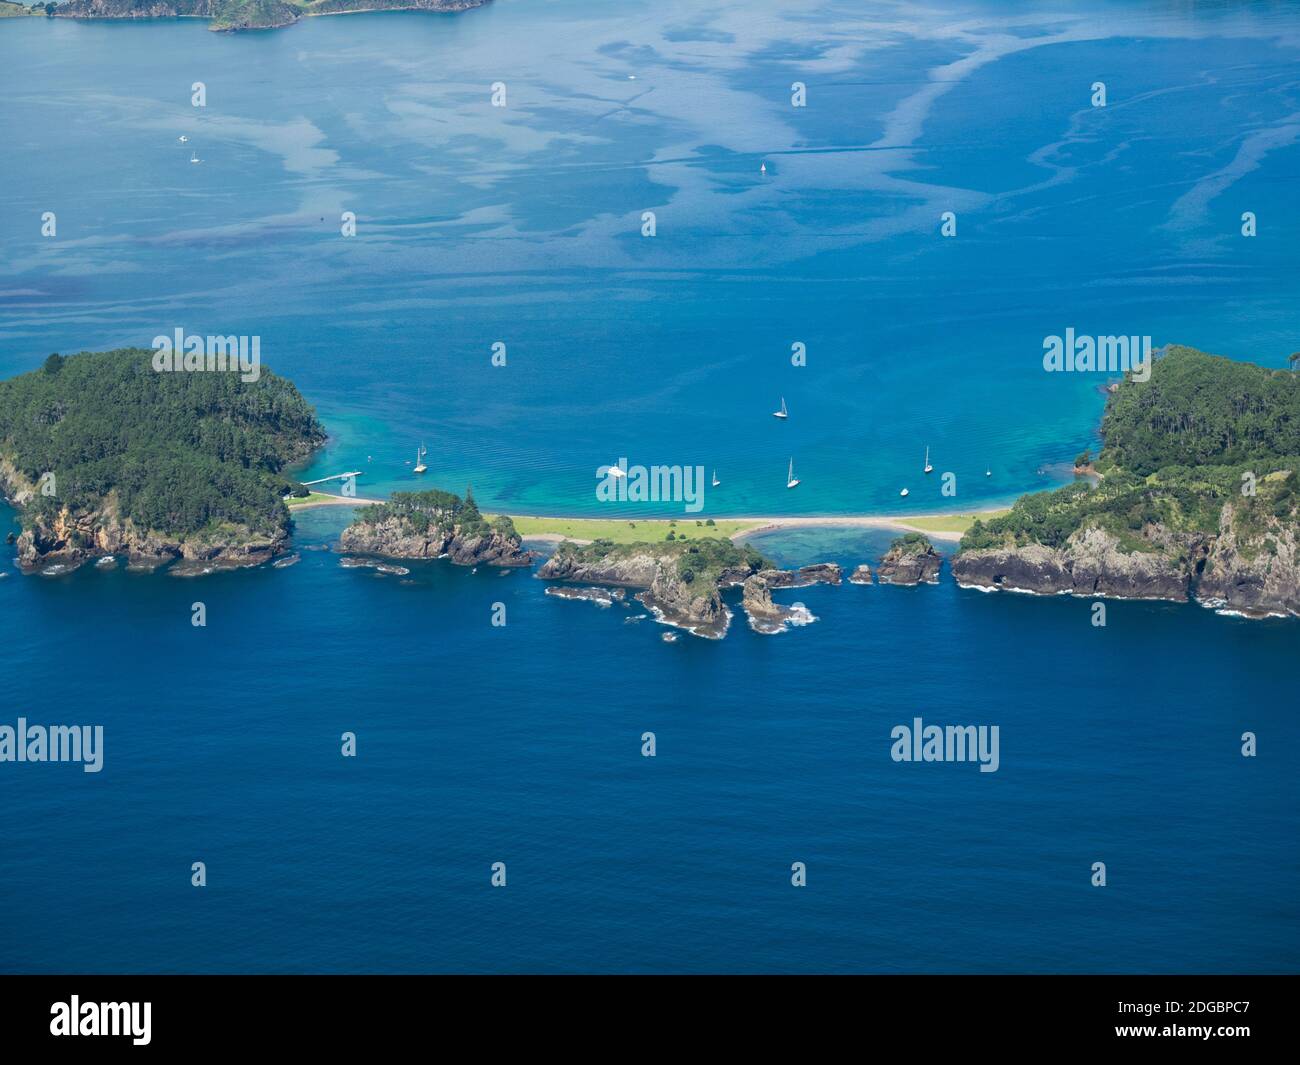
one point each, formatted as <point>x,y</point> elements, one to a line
<point>521,743</point>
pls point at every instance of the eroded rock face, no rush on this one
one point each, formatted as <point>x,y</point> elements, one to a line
<point>694,605</point>
<point>395,537</point>
<point>1251,578</point>
<point>1034,568</point>
<point>757,599</point>
<point>818,573</point>
<point>902,565</point>
<point>68,540</point>
<point>861,575</point>
<point>1090,564</point>
<point>635,571</point>
<point>768,617</point>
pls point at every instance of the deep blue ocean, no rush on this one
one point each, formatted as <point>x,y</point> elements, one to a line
<point>522,744</point>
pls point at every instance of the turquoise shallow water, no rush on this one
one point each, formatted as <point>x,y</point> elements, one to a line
<point>522,225</point>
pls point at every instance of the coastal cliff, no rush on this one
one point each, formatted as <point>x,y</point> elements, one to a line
<point>682,581</point>
<point>66,539</point>
<point>1197,497</point>
<point>1090,563</point>
<point>104,456</point>
<point>234,15</point>
<point>434,524</point>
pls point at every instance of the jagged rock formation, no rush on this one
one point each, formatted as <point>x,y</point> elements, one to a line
<point>861,575</point>
<point>818,573</point>
<point>682,582</point>
<point>911,559</point>
<point>1253,576</point>
<point>1252,572</point>
<point>770,618</point>
<point>69,539</point>
<point>464,543</point>
<point>696,606</point>
<point>1090,564</point>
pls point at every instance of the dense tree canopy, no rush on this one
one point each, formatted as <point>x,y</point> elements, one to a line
<point>180,451</point>
<point>1177,448</point>
<point>438,510</point>
<point>1201,410</point>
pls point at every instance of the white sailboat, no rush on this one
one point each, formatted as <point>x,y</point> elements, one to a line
<point>716,482</point>
<point>762,168</point>
<point>791,480</point>
<point>782,413</point>
<point>420,467</point>
<point>988,472</point>
<point>928,467</point>
<point>194,157</point>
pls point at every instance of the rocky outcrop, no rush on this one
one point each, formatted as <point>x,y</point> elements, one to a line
<point>396,537</point>
<point>69,539</point>
<point>861,575</point>
<point>911,560</point>
<point>1254,576</point>
<point>768,617</point>
<point>1090,563</point>
<point>693,603</point>
<point>819,573</point>
<point>602,597</point>
<point>1254,573</point>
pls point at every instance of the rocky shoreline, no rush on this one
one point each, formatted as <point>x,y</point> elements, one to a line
<point>1214,571</point>
<point>395,537</point>
<point>67,540</point>
<point>672,599</point>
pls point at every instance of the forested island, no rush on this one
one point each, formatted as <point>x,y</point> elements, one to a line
<point>1197,497</point>
<point>105,456</point>
<point>234,15</point>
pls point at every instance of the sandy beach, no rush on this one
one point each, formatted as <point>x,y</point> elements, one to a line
<point>908,523</point>
<point>333,501</point>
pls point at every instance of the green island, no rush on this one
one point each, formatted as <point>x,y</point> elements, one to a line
<point>104,456</point>
<point>232,15</point>
<point>1198,496</point>
<point>434,524</point>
